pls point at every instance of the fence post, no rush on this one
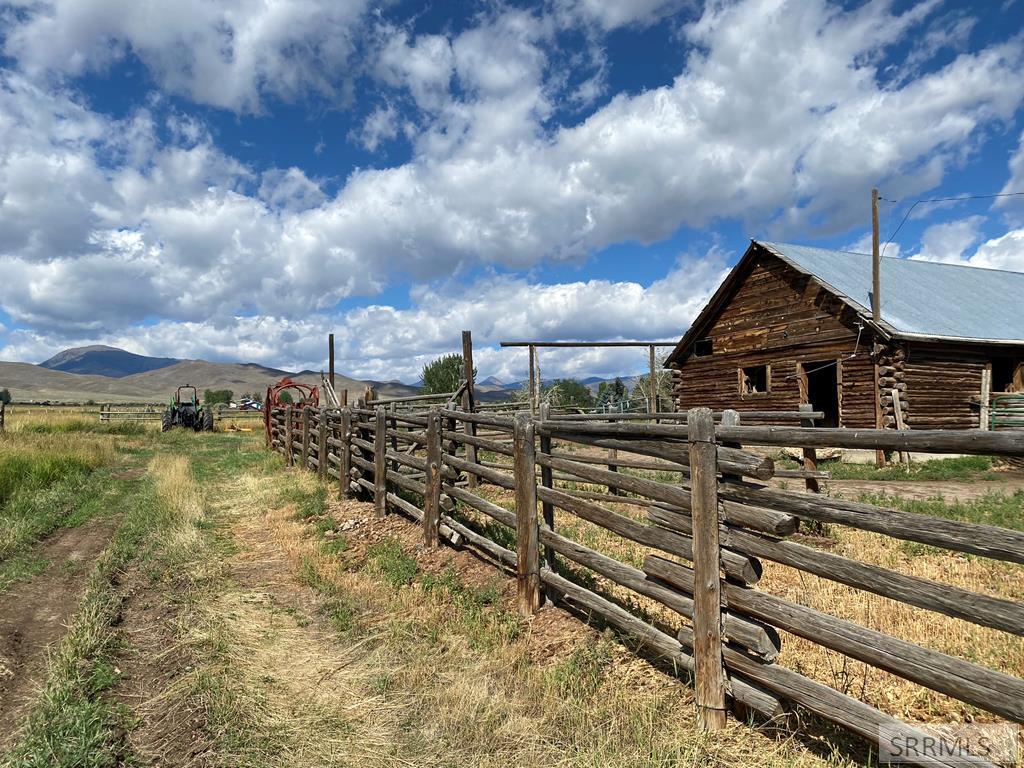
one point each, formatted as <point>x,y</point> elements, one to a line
<point>547,508</point>
<point>345,453</point>
<point>289,459</point>
<point>321,444</point>
<point>469,402</point>
<point>393,426</point>
<point>707,599</point>
<point>304,458</point>
<point>380,465</point>
<point>810,454</point>
<point>432,497</point>
<point>527,549</point>
<point>3,415</point>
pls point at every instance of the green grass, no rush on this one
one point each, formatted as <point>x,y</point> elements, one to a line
<point>1002,510</point>
<point>962,468</point>
<point>388,559</point>
<point>72,724</point>
<point>126,428</point>
<point>40,492</point>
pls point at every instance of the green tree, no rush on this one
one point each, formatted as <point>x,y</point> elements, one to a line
<point>217,396</point>
<point>443,374</point>
<point>285,397</point>
<point>611,393</point>
<point>5,395</point>
<point>573,392</point>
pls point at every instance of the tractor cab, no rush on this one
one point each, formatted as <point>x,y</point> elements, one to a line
<point>186,411</point>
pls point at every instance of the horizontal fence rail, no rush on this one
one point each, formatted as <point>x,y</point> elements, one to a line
<point>690,500</point>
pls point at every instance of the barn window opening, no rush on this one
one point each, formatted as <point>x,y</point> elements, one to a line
<point>754,380</point>
<point>703,348</point>
<point>1004,372</point>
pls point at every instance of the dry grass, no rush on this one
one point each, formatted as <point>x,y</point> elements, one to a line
<point>308,658</point>
<point>988,647</point>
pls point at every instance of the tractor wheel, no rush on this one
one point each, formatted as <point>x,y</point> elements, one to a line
<point>166,422</point>
<point>207,420</point>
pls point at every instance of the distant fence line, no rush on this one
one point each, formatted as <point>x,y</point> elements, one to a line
<point>155,413</point>
<point>717,524</point>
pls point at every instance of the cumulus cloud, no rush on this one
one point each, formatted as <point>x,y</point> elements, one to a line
<point>107,222</point>
<point>948,241</point>
<point>224,53</point>
<point>384,342</point>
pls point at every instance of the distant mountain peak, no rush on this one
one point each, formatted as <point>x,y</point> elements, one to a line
<point>493,381</point>
<point>101,360</point>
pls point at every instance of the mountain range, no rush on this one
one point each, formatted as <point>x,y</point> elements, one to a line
<point>108,374</point>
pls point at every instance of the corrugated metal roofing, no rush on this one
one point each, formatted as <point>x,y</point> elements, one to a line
<point>921,297</point>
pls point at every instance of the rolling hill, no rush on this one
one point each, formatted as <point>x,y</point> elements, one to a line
<point>156,381</point>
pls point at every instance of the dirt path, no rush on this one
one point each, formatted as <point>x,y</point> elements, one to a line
<point>949,490</point>
<point>34,614</point>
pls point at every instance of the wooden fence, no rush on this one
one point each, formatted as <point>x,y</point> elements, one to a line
<point>706,524</point>
<point>155,413</point>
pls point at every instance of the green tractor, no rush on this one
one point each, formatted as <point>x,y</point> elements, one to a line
<point>187,412</point>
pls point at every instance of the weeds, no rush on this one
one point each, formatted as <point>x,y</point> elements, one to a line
<point>388,559</point>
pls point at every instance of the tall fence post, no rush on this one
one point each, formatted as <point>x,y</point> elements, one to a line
<point>321,444</point>
<point>527,548</point>
<point>380,465</point>
<point>345,453</point>
<point>289,436</point>
<point>469,402</point>
<point>707,599</point>
<point>546,478</point>
<point>810,454</point>
<point>432,497</point>
<point>304,457</point>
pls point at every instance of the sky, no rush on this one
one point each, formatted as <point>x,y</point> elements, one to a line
<point>234,180</point>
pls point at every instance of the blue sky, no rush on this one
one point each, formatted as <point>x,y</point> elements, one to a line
<point>234,180</point>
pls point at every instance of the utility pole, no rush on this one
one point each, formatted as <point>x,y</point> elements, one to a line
<point>876,262</point>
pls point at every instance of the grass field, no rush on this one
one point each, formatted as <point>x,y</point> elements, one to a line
<point>239,614</point>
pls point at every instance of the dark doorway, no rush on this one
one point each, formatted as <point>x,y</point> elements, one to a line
<point>822,392</point>
<point>1003,373</point>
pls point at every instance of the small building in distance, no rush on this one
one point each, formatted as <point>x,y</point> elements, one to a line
<point>793,324</point>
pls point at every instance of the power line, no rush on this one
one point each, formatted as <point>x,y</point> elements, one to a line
<point>940,200</point>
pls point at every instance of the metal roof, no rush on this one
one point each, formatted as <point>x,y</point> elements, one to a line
<point>920,298</point>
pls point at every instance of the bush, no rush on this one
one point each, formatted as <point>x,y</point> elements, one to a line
<point>217,396</point>
<point>573,392</point>
<point>5,395</point>
<point>443,375</point>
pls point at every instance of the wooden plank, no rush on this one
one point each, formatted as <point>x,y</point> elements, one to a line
<point>380,448</point>
<point>974,684</point>
<point>434,478</point>
<point>547,481</point>
<point>810,455</point>
<point>321,443</point>
<point>986,611</point>
<point>527,548</point>
<point>974,538</point>
<point>304,455</point>
<point>921,441</point>
<point>289,423</point>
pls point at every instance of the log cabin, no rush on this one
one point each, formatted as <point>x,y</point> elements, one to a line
<point>792,324</point>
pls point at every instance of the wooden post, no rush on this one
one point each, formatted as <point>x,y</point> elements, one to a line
<point>527,550</point>
<point>897,410</point>
<point>393,424</point>
<point>289,436</point>
<point>343,398</point>
<point>345,457</point>
<point>534,385</point>
<point>330,359</point>
<point>432,496</point>
<point>652,398</point>
<point>613,454</point>
<point>469,400</point>
<point>546,479</point>
<point>321,444</point>
<point>879,454</point>
<point>3,415</point>
<point>986,396</point>
<point>380,467</point>
<point>304,458</point>
<point>707,598</point>
<point>810,454</point>
<point>876,262</point>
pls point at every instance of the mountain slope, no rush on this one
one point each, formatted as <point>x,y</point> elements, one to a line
<point>100,360</point>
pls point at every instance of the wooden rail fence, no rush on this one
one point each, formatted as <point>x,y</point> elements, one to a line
<point>708,526</point>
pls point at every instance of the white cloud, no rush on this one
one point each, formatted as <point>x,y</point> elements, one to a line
<point>380,125</point>
<point>948,241</point>
<point>611,14</point>
<point>103,224</point>
<point>227,53</point>
<point>383,342</point>
<point>1005,252</point>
